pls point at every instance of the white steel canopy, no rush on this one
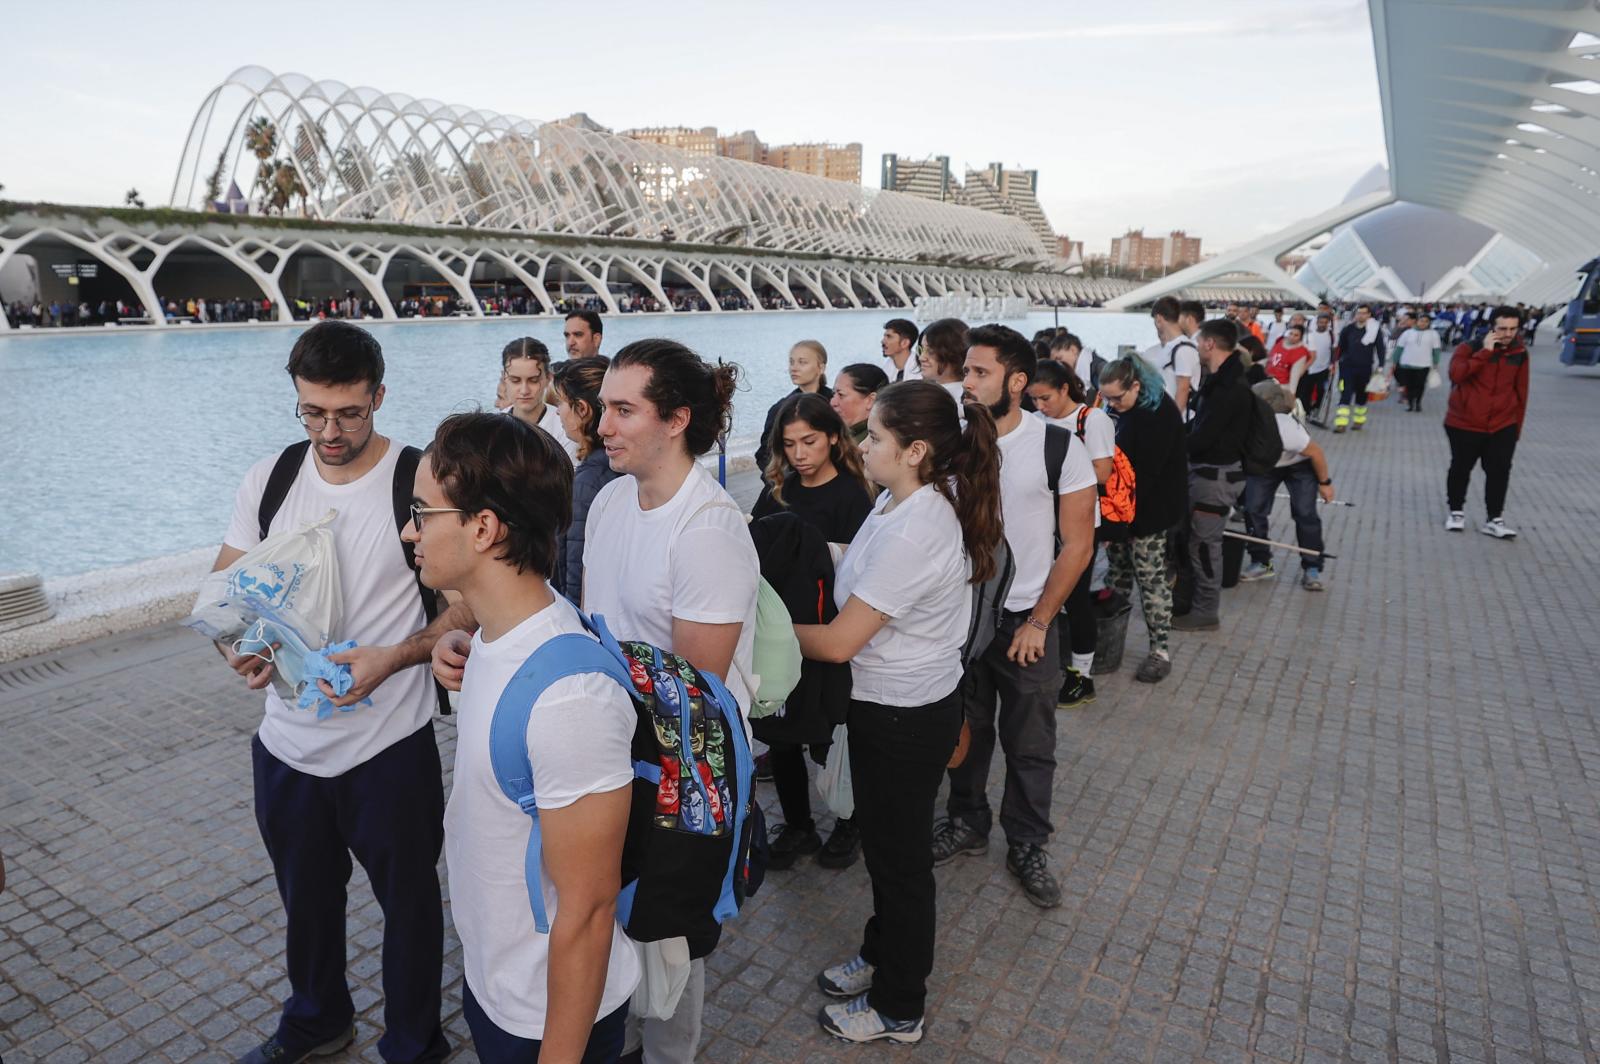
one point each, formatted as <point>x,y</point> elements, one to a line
<point>364,155</point>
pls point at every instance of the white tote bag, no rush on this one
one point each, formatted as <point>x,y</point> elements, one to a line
<point>834,780</point>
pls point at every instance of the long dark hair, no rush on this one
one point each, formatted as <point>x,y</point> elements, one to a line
<point>681,379</point>
<point>1059,375</point>
<point>816,412</point>
<point>578,383</point>
<point>962,465</point>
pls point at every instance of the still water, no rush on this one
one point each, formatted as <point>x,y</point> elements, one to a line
<point>123,447</point>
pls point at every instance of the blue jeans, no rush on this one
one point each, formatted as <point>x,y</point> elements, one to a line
<point>1259,493</point>
<point>495,1046</point>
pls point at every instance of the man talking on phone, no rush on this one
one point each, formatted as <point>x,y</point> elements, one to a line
<point>1488,401</point>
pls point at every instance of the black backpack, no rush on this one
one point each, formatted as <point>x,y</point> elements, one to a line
<point>1263,443</point>
<point>282,478</point>
<point>989,597</point>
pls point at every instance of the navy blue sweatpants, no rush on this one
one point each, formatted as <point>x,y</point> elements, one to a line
<point>389,812</point>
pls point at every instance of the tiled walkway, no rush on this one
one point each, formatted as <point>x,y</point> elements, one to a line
<point>1362,825</point>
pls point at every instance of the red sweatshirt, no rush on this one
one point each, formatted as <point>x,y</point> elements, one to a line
<point>1488,390</point>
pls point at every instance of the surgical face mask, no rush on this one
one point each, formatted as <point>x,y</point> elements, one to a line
<point>288,660</point>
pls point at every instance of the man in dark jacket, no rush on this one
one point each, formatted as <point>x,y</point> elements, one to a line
<point>1216,466</point>
<point>1488,401</point>
<point>1360,350</point>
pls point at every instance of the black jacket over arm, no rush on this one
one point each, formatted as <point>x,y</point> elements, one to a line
<point>1154,441</point>
<point>1222,418</point>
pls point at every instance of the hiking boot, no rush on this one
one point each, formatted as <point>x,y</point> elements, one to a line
<point>1456,522</point>
<point>789,843</point>
<point>1497,528</point>
<point>1311,579</point>
<point>1027,862</point>
<point>1153,669</point>
<point>273,1051</point>
<point>843,845</point>
<point>857,1021</point>
<point>1077,691</point>
<point>952,838</point>
<point>1196,622</point>
<point>1257,571</point>
<point>850,979</point>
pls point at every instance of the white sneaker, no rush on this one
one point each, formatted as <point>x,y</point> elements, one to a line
<point>1497,528</point>
<point>850,979</point>
<point>857,1021</point>
<point>1456,522</point>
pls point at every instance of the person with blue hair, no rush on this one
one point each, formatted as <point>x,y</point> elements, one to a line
<point>1150,433</point>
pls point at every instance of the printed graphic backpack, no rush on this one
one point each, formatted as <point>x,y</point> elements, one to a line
<point>1116,494</point>
<point>687,862</point>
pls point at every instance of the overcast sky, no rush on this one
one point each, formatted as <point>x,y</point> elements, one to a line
<point>1230,118</point>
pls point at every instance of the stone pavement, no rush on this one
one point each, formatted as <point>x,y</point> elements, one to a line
<point>1362,825</point>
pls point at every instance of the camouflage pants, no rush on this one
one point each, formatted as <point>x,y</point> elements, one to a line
<point>1144,559</point>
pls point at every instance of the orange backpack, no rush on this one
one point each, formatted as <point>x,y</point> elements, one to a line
<point>1116,494</point>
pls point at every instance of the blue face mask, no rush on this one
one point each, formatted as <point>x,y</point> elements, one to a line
<point>288,660</point>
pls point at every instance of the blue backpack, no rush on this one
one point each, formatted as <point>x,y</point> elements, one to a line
<point>687,862</point>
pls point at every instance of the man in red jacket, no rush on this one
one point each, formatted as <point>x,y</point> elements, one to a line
<point>1488,400</point>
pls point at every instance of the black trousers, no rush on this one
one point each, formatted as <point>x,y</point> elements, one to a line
<point>793,783</point>
<point>1310,389</point>
<point>496,1046</point>
<point>1414,379</point>
<point>897,758</point>
<point>389,812</point>
<point>1083,628</point>
<point>1494,450</point>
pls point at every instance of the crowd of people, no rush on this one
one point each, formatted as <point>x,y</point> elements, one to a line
<point>944,524</point>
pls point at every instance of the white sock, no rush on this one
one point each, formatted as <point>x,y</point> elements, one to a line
<point>1082,663</point>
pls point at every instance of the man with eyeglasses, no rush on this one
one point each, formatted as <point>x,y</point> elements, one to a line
<point>525,372</point>
<point>1488,403</point>
<point>366,780</point>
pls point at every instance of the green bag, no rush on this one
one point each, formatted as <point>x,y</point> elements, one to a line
<point>776,654</point>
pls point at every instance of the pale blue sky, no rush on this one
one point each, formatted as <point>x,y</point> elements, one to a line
<point>1230,118</point>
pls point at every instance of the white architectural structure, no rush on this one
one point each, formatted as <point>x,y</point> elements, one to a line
<point>1492,112</point>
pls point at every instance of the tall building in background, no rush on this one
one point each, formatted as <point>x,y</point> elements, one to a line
<point>1136,253</point>
<point>837,162</point>
<point>1013,192</point>
<point>1066,247</point>
<point>745,146</point>
<point>928,178</point>
<point>701,141</point>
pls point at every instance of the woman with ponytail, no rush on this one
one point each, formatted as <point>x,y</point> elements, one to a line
<point>1150,433</point>
<point>904,596</point>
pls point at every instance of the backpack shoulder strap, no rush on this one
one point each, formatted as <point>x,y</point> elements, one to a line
<point>279,481</point>
<point>1083,416</point>
<point>405,472</point>
<point>563,656</point>
<point>1056,442</point>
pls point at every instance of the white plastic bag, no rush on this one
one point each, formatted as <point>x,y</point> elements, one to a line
<point>290,579</point>
<point>1434,380</point>
<point>665,972</point>
<point>834,780</point>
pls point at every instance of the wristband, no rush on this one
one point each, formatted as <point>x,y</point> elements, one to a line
<point>1326,483</point>
<point>1035,624</point>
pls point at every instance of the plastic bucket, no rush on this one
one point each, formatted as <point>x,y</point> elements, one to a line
<point>1111,636</point>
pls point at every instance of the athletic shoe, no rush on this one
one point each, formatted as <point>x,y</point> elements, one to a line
<point>1153,669</point>
<point>1456,522</point>
<point>1338,428</point>
<point>857,1021</point>
<point>273,1051</point>
<point>848,980</point>
<point>1027,862</point>
<point>952,838</point>
<point>1257,571</point>
<point>1196,622</point>
<point>789,843</point>
<point>1077,691</point>
<point>843,845</point>
<point>1497,528</point>
<point>1311,579</point>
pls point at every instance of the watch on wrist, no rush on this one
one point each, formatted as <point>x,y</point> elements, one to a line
<point>1326,483</point>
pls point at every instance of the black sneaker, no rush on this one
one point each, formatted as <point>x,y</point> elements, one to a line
<point>952,838</point>
<point>1027,863</point>
<point>843,845</point>
<point>788,844</point>
<point>273,1051</point>
<point>1077,691</point>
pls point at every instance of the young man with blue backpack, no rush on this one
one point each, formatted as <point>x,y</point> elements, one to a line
<point>535,852</point>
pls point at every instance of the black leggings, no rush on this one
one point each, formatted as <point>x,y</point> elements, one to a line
<point>1083,627</point>
<point>793,783</point>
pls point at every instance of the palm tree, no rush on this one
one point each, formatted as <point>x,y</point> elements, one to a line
<point>285,185</point>
<point>261,138</point>
<point>214,182</point>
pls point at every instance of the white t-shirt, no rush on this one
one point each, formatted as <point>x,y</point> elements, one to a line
<point>913,371</point>
<point>1295,440</point>
<point>1099,439</point>
<point>381,607</point>
<point>910,563</point>
<point>690,558</point>
<point>1416,348</point>
<point>1184,359</point>
<point>1026,505</point>
<point>1275,332</point>
<point>580,734</point>
<point>1321,344</point>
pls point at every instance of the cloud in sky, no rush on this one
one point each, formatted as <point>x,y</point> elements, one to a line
<point>1216,118</point>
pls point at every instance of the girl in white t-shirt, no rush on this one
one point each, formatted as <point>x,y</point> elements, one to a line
<point>1062,400</point>
<point>1416,355</point>
<point>904,595</point>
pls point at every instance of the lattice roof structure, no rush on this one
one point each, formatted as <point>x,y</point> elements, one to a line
<point>365,155</point>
